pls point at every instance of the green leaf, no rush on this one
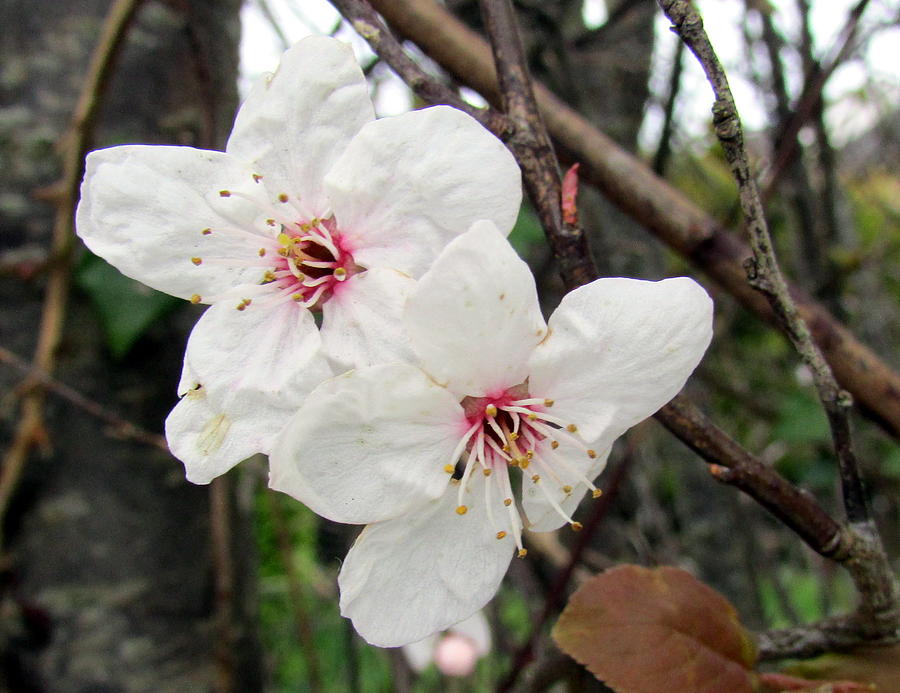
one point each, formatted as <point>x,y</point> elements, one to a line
<point>126,307</point>
<point>643,630</point>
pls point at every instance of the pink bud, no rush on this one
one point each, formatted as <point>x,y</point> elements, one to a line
<point>456,655</point>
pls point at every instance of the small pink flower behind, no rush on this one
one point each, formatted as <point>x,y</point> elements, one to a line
<point>454,652</point>
<point>429,456</point>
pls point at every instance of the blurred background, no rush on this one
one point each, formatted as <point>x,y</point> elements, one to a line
<point>118,575</point>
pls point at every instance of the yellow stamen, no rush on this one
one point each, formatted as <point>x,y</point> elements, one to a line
<point>206,232</point>
<point>567,490</point>
<point>548,402</point>
<point>195,298</point>
<point>490,410</point>
<point>501,534</point>
<point>461,510</point>
<point>507,502</point>
<point>577,526</point>
<point>283,198</point>
<point>449,468</point>
<point>522,553</point>
<point>262,252</point>
<point>592,454</point>
<point>554,444</point>
<point>244,303</point>
<point>224,193</point>
<point>571,428</point>
<point>487,472</point>
<point>536,478</point>
<point>596,493</point>
<point>256,178</point>
<point>196,260</point>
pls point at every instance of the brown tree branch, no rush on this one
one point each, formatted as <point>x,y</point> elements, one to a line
<point>74,145</point>
<point>629,184</point>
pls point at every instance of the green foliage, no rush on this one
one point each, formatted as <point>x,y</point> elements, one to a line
<point>126,308</point>
<point>527,233</point>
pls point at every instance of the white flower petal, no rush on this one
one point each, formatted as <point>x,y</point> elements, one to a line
<point>208,441</point>
<point>409,577</point>
<point>294,124</point>
<point>619,349</point>
<point>369,445</point>
<point>144,208</point>
<point>474,318</point>
<point>408,184</point>
<point>270,354</point>
<point>362,322</point>
<point>570,465</point>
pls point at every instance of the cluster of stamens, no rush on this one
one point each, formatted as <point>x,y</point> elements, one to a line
<point>516,430</point>
<point>303,260</point>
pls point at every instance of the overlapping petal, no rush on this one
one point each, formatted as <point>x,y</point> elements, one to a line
<point>144,209</point>
<point>295,123</point>
<point>408,184</point>
<point>407,578</point>
<point>474,318</point>
<point>362,322</point>
<point>369,445</point>
<point>210,441</point>
<point>272,352</point>
<point>619,349</point>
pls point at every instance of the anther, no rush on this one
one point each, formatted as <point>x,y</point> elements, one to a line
<point>195,298</point>
<point>507,502</point>
<point>196,260</point>
<point>340,274</point>
<point>522,553</point>
<point>271,222</point>
<point>532,417</point>
<point>449,468</point>
<point>297,297</point>
<point>513,436</point>
<point>206,232</point>
<point>592,454</point>
<point>571,428</point>
<point>490,410</point>
<point>224,193</point>
<point>256,178</point>
<point>268,276</point>
<point>577,526</point>
<point>244,303</point>
<point>596,493</point>
<point>283,198</point>
<point>501,534</point>
<point>536,478</point>
<point>262,252</point>
<point>461,510</point>
<point>548,402</point>
<point>554,444</point>
<point>487,471</point>
<point>524,462</point>
<point>567,490</point>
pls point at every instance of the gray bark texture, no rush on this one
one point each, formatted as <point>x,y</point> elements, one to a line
<point>107,581</point>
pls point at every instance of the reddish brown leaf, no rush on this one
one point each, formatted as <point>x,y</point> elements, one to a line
<point>569,195</point>
<point>644,630</point>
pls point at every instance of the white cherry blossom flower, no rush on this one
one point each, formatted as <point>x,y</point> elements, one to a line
<point>314,205</point>
<point>428,455</point>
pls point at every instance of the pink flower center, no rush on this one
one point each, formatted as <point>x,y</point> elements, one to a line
<point>312,260</point>
<point>512,429</point>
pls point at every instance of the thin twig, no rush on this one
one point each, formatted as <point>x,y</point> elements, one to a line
<point>530,142</point>
<point>74,145</point>
<point>763,270</point>
<point>302,620</point>
<point>119,427</point>
<point>811,97</point>
<point>661,158</point>
<point>224,587</point>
